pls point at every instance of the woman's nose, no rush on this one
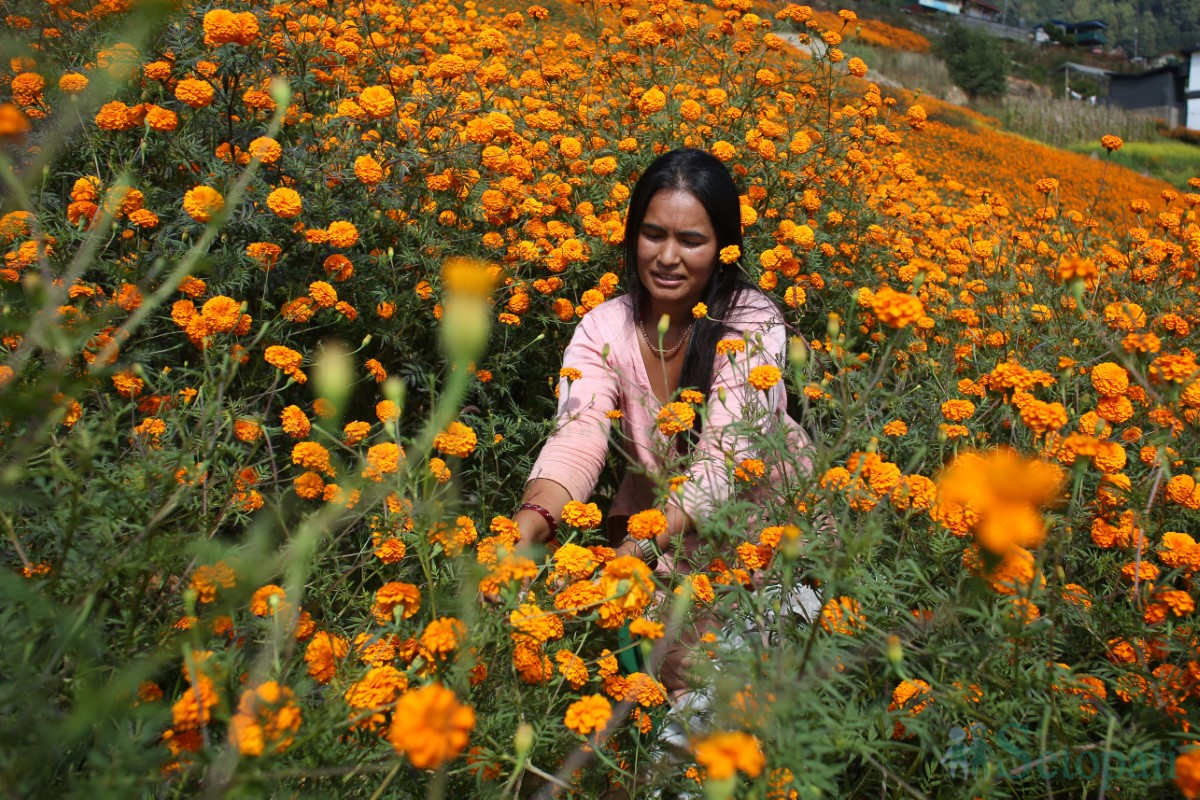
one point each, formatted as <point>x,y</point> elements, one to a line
<point>669,254</point>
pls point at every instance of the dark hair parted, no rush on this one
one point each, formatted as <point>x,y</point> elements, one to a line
<point>703,176</point>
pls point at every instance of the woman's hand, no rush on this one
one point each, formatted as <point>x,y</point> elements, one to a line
<point>629,548</point>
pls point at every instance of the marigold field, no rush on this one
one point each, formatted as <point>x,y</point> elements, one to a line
<point>285,293</point>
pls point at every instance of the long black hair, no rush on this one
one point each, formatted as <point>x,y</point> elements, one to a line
<point>704,177</point>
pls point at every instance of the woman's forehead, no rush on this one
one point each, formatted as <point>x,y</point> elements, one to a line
<point>677,208</point>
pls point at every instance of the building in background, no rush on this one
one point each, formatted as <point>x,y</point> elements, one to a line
<point>1170,93</point>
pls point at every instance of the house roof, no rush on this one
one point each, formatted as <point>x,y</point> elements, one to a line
<point>984,4</point>
<point>1087,24</point>
<point>1084,68</point>
<point>1131,76</point>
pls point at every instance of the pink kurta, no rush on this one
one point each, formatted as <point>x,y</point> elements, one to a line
<point>605,350</point>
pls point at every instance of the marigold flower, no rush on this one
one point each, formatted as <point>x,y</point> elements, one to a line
<point>441,637</point>
<point>764,377</point>
<point>202,203</point>
<point>195,93</point>
<point>676,418</point>
<point>323,653</point>
<point>1111,143</point>
<point>584,516</point>
<point>266,721</point>
<point>722,755</point>
<point>647,524</point>
<point>342,233</point>
<point>393,595</point>
<point>896,309</point>
<point>368,170</point>
<point>285,202</point>
<point>457,440</point>
<point>588,714</point>
<point>430,726</point>
<point>265,149</point>
<point>383,459</point>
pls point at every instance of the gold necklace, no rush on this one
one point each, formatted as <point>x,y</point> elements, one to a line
<point>673,350</point>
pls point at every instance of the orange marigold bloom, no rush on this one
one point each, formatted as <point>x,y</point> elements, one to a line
<point>430,726</point>
<point>441,637</point>
<point>1111,143</point>
<point>841,615</point>
<point>647,524</point>
<point>342,233</point>
<point>368,170</point>
<point>1182,490</point>
<point>588,714</point>
<point>324,295</point>
<point>323,653</point>
<point>377,688</point>
<point>1110,379</point>
<point>722,755</point>
<point>907,697</point>
<point>195,93</point>
<point>295,423</point>
<point>676,418</point>
<point>581,515</point>
<point>457,440</point>
<point>202,203</point>
<point>377,101</point>
<point>266,720</point>
<point>222,313</point>
<point>393,595</point>
<point>311,455</point>
<point>265,149</point>
<point>764,377</point>
<point>896,309</point>
<point>261,604</point>
<point>285,202</point>
<point>383,459</point>
<point>193,709</point>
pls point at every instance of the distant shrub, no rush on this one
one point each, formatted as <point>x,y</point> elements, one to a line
<point>977,61</point>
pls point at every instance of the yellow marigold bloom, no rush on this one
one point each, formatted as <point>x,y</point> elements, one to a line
<point>1111,143</point>
<point>430,726</point>
<point>588,714</point>
<point>722,755</point>
<point>323,653</point>
<point>584,516</point>
<point>857,67</point>
<point>195,93</point>
<point>354,432</point>
<point>896,309</point>
<point>699,311</point>
<point>285,202</point>
<point>730,253</point>
<point>72,83</point>
<point>570,373</point>
<point>383,459</point>
<point>532,622</point>
<point>311,455</point>
<point>764,377</point>
<point>202,203</point>
<point>457,440</point>
<point>393,595</point>
<point>647,524</point>
<point>676,418</point>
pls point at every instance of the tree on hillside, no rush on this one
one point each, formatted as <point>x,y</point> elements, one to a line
<point>977,61</point>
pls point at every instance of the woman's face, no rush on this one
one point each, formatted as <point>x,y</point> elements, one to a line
<point>676,253</point>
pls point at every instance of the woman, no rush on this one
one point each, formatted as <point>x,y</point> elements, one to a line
<point>634,354</point>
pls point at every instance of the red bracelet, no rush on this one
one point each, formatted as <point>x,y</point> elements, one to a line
<point>546,515</point>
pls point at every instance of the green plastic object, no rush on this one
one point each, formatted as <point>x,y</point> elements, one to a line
<point>629,657</point>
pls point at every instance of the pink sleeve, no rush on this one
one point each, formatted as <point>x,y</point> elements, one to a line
<point>574,454</point>
<point>724,442</point>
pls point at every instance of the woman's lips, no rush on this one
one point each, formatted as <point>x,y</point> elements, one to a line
<point>667,281</point>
